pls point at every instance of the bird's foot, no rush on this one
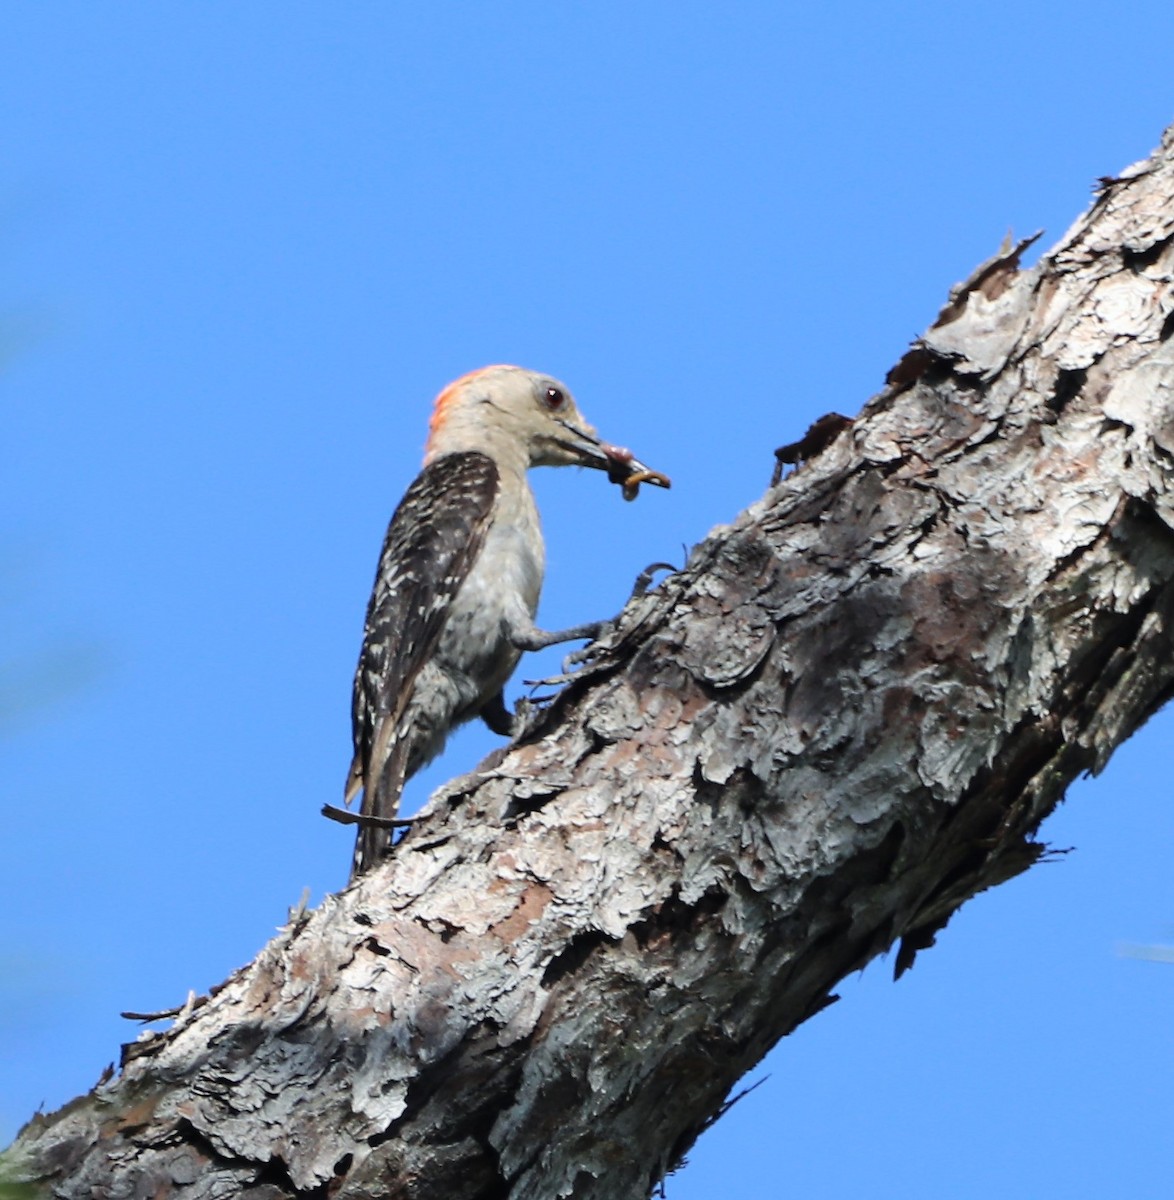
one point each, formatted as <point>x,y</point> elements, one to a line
<point>644,579</point>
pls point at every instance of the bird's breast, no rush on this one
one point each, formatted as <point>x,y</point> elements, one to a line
<point>503,583</point>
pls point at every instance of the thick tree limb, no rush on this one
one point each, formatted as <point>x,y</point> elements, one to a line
<point>847,715</point>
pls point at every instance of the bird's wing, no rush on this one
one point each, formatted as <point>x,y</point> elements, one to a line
<point>432,542</point>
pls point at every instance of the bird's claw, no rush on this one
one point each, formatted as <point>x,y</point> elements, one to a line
<point>644,579</point>
<point>578,658</point>
<point>604,629</point>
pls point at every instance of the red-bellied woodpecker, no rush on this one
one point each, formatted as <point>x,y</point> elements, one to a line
<point>457,586</point>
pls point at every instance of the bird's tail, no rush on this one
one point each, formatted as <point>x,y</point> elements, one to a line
<point>381,795</point>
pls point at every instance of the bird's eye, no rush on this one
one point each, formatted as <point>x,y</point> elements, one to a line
<point>555,399</point>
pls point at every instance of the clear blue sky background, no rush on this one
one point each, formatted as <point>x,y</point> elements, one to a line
<point>242,246</point>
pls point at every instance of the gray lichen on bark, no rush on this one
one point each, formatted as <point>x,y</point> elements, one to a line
<point>846,715</point>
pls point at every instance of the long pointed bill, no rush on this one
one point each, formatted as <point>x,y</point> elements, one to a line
<point>621,465</point>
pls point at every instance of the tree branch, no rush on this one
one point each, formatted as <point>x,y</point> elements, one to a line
<point>845,716</point>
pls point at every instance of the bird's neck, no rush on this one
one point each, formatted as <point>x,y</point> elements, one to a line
<point>509,453</point>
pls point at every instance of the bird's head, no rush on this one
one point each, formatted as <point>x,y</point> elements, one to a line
<point>514,413</point>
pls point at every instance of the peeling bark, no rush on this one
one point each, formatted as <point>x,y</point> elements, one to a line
<point>848,714</point>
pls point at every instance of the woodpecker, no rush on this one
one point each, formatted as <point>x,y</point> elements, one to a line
<point>457,585</point>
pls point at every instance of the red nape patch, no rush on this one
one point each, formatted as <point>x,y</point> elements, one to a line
<point>450,393</point>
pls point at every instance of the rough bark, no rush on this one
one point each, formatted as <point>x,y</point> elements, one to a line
<point>844,717</point>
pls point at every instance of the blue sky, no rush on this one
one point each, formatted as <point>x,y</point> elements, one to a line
<point>242,246</point>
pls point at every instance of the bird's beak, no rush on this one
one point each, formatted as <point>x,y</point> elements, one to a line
<point>621,465</point>
<point>583,446</point>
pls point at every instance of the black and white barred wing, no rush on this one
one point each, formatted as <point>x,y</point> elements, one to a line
<point>432,542</point>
